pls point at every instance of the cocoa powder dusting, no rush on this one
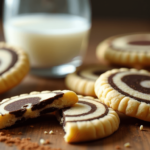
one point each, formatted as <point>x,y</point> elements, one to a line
<point>23,144</point>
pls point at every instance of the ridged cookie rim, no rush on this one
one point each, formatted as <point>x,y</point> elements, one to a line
<point>128,58</point>
<point>117,101</point>
<point>82,85</point>
<point>14,75</point>
<point>113,122</point>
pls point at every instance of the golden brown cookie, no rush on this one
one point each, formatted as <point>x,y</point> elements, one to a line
<point>126,90</point>
<point>88,120</point>
<point>14,65</point>
<point>83,79</point>
<point>19,108</point>
<point>128,49</point>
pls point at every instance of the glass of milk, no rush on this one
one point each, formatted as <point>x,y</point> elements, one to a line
<point>54,33</point>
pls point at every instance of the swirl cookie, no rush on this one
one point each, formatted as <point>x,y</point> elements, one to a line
<point>126,90</point>
<point>129,50</point>
<point>83,79</point>
<point>88,120</point>
<point>14,65</point>
<point>20,108</point>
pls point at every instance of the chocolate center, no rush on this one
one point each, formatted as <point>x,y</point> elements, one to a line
<point>133,81</point>
<point>18,107</point>
<point>14,59</point>
<point>140,43</point>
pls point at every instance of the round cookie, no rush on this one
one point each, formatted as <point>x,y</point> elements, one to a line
<point>83,79</point>
<point>14,65</point>
<point>126,90</point>
<point>128,50</point>
<point>88,120</point>
<point>19,108</point>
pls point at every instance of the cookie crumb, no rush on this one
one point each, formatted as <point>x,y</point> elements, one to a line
<point>31,126</point>
<point>2,133</point>
<point>12,133</point>
<point>51,132</point>
<point>127,145</point>
<point>118,147</point>
<point>10,145</point>
<point>47,142</point>
<point>42,141</point>
<point>8,135</point>
<point>24,143</point>
<point>141,127</point>
<point>28,139</point>
<point>19,133</point>
<point>45,132</point>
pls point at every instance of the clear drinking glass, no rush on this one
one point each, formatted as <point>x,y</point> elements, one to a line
<point>54,33</point>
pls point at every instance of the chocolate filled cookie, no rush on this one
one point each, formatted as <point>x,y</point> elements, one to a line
<point>127,50</point>
<point>83,79</point>
<point>14,65</point>
<point>20,108</point>
<point>88,120</point>
<point>126,90</point>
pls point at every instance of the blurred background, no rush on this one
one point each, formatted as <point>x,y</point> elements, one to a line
<point>112,17</point>
<point>115,9</point>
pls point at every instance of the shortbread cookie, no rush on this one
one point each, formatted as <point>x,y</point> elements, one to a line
<point>14,65</point>
<point>129,50</point>
<point>20,108</point>
<point>88,120</point>
<point>126,90</point>
<point>83,79</point>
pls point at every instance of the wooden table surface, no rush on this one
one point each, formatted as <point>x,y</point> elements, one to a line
<point>127,132</point>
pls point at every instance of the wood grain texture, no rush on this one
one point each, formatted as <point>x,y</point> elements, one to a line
<point>128,131</point>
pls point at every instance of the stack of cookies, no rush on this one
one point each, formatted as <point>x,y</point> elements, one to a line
<point>122,89</point>
<point>105,90</point>
<point>82,116</point>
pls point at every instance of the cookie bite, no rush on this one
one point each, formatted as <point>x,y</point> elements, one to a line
<point>19,108</point>
<point>127,50</point>
<point>83,79</point>
<point>87,120</point>
<point>126,90</point>
<point>14,65</point>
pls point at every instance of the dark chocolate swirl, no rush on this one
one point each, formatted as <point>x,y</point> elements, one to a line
<point>133,81</point>
<point>14,60</point>
<point>18,107</point>
<point>91,111</point>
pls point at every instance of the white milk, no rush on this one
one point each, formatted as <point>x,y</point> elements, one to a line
<point>49,40</point>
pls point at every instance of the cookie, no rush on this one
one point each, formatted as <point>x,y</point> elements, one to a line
<point>14,65</point>
<point>83,79</point>
<point>127,50</point>
<point>126,90</point>
<point>88,120</point>
<point>20,108</point>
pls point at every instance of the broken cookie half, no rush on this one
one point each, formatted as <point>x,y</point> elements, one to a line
<point>34,104</point>
<point>88,120</point>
